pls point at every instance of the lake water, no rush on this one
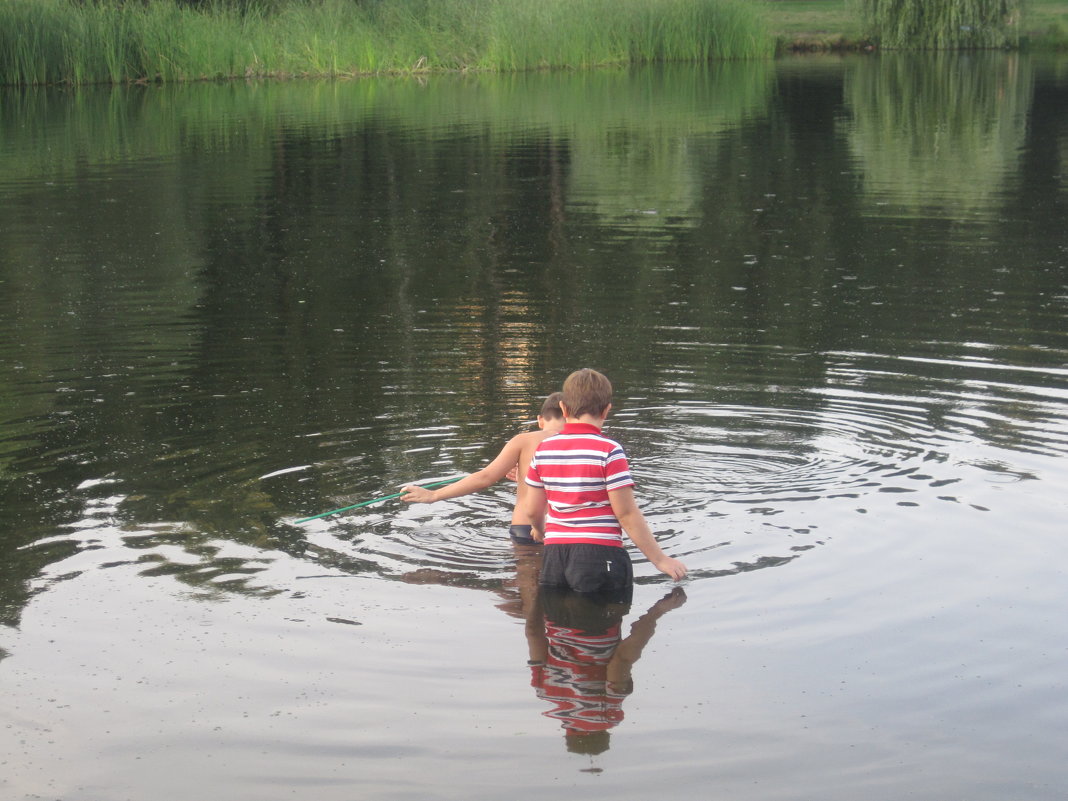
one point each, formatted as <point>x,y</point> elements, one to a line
<point>832,295</point>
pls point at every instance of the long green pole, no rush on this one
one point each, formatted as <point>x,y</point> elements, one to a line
<point>376,500</point>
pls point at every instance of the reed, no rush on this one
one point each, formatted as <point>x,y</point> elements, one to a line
<point>554,33</point>
<point>943,25</point>
<point>64,41</point>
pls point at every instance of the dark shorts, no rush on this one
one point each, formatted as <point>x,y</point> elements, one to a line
<point>601,570</point>
<point>521,535</point>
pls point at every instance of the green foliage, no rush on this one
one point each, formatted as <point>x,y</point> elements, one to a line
<point>943,24</point>
<point>65,41</point>
<point>55,41</point>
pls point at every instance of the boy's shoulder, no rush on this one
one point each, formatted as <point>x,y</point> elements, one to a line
<point>533,437</point>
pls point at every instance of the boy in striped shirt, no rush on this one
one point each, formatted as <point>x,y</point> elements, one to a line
<point>581,497</point>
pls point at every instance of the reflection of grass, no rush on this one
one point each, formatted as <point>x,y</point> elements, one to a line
<point>53,133</point>
<point>636,168</point>
<point>631,160</point>
<point>61,41</point>
<point>629,134</point>
<point>938,130</point>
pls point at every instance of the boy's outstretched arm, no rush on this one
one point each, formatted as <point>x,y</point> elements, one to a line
<point>633,521</point>
<point>489,475</point>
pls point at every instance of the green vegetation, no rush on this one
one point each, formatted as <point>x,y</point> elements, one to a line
<point>805,24</point>
<point>813,24</point>
<point>944,25</point>
<point>111,41</point>
<point>65,41</point>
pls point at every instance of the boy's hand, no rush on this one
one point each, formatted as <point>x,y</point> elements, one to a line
<point>672,567</point>
<point>513,474</point>
<point>416,494</point>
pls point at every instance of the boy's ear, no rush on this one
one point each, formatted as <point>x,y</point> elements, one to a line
<point>607,409</point>
<point>541,421</point>
<point>563,409</point>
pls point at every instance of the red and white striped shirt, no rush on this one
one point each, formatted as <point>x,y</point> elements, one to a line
<point>574,678</point>
<point>577,468</point>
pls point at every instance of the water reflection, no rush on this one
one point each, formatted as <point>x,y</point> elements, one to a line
<point>938,134</point>
<point>586,673</point>
<point>579,660</point>
<point>518,595</point>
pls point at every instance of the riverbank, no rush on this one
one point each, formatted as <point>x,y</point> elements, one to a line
<point>66,42</point>
<point>828,25</point>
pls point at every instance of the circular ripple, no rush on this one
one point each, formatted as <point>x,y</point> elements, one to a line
<point>731,487</point>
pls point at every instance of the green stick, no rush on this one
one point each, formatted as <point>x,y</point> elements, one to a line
<point>376,500</point>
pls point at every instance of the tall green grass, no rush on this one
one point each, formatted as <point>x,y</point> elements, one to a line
<point>65,41</point>
<point>579,33</point>
<point>55,41</point>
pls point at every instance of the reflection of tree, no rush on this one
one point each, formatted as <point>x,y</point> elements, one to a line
<point>56,135</point>
<point>1040,187</point>
<point>938,131</point>
<point>638,168</point>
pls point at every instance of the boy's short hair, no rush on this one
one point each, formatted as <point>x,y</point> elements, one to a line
<point>587,392</point>
<point>550,409</point>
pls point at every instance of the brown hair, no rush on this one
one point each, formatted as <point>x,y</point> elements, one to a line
<point>550,409</point>
<point>587,392</point>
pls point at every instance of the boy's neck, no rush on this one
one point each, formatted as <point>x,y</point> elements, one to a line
<point>589,419</point>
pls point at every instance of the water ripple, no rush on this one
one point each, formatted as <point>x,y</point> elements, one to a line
<point>735,487</point>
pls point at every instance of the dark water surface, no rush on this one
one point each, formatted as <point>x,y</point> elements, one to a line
<point>832,296</point>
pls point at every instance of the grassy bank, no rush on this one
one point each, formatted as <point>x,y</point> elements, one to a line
<point>826,24</point>
<point>59,41</point>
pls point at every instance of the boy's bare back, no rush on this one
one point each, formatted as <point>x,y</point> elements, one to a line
<point>527,443</point>
<point>512,462</point>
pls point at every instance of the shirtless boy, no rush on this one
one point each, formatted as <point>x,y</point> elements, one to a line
<point>514,456</point>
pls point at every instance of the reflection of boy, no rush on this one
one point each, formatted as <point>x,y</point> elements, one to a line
<point>587,670</point>
<point>514,456</point>
<point>581,496</point>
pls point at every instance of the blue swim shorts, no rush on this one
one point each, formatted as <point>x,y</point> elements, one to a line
<point>521,535</point>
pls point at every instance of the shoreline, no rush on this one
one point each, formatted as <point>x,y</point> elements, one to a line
<point>822,43</point>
